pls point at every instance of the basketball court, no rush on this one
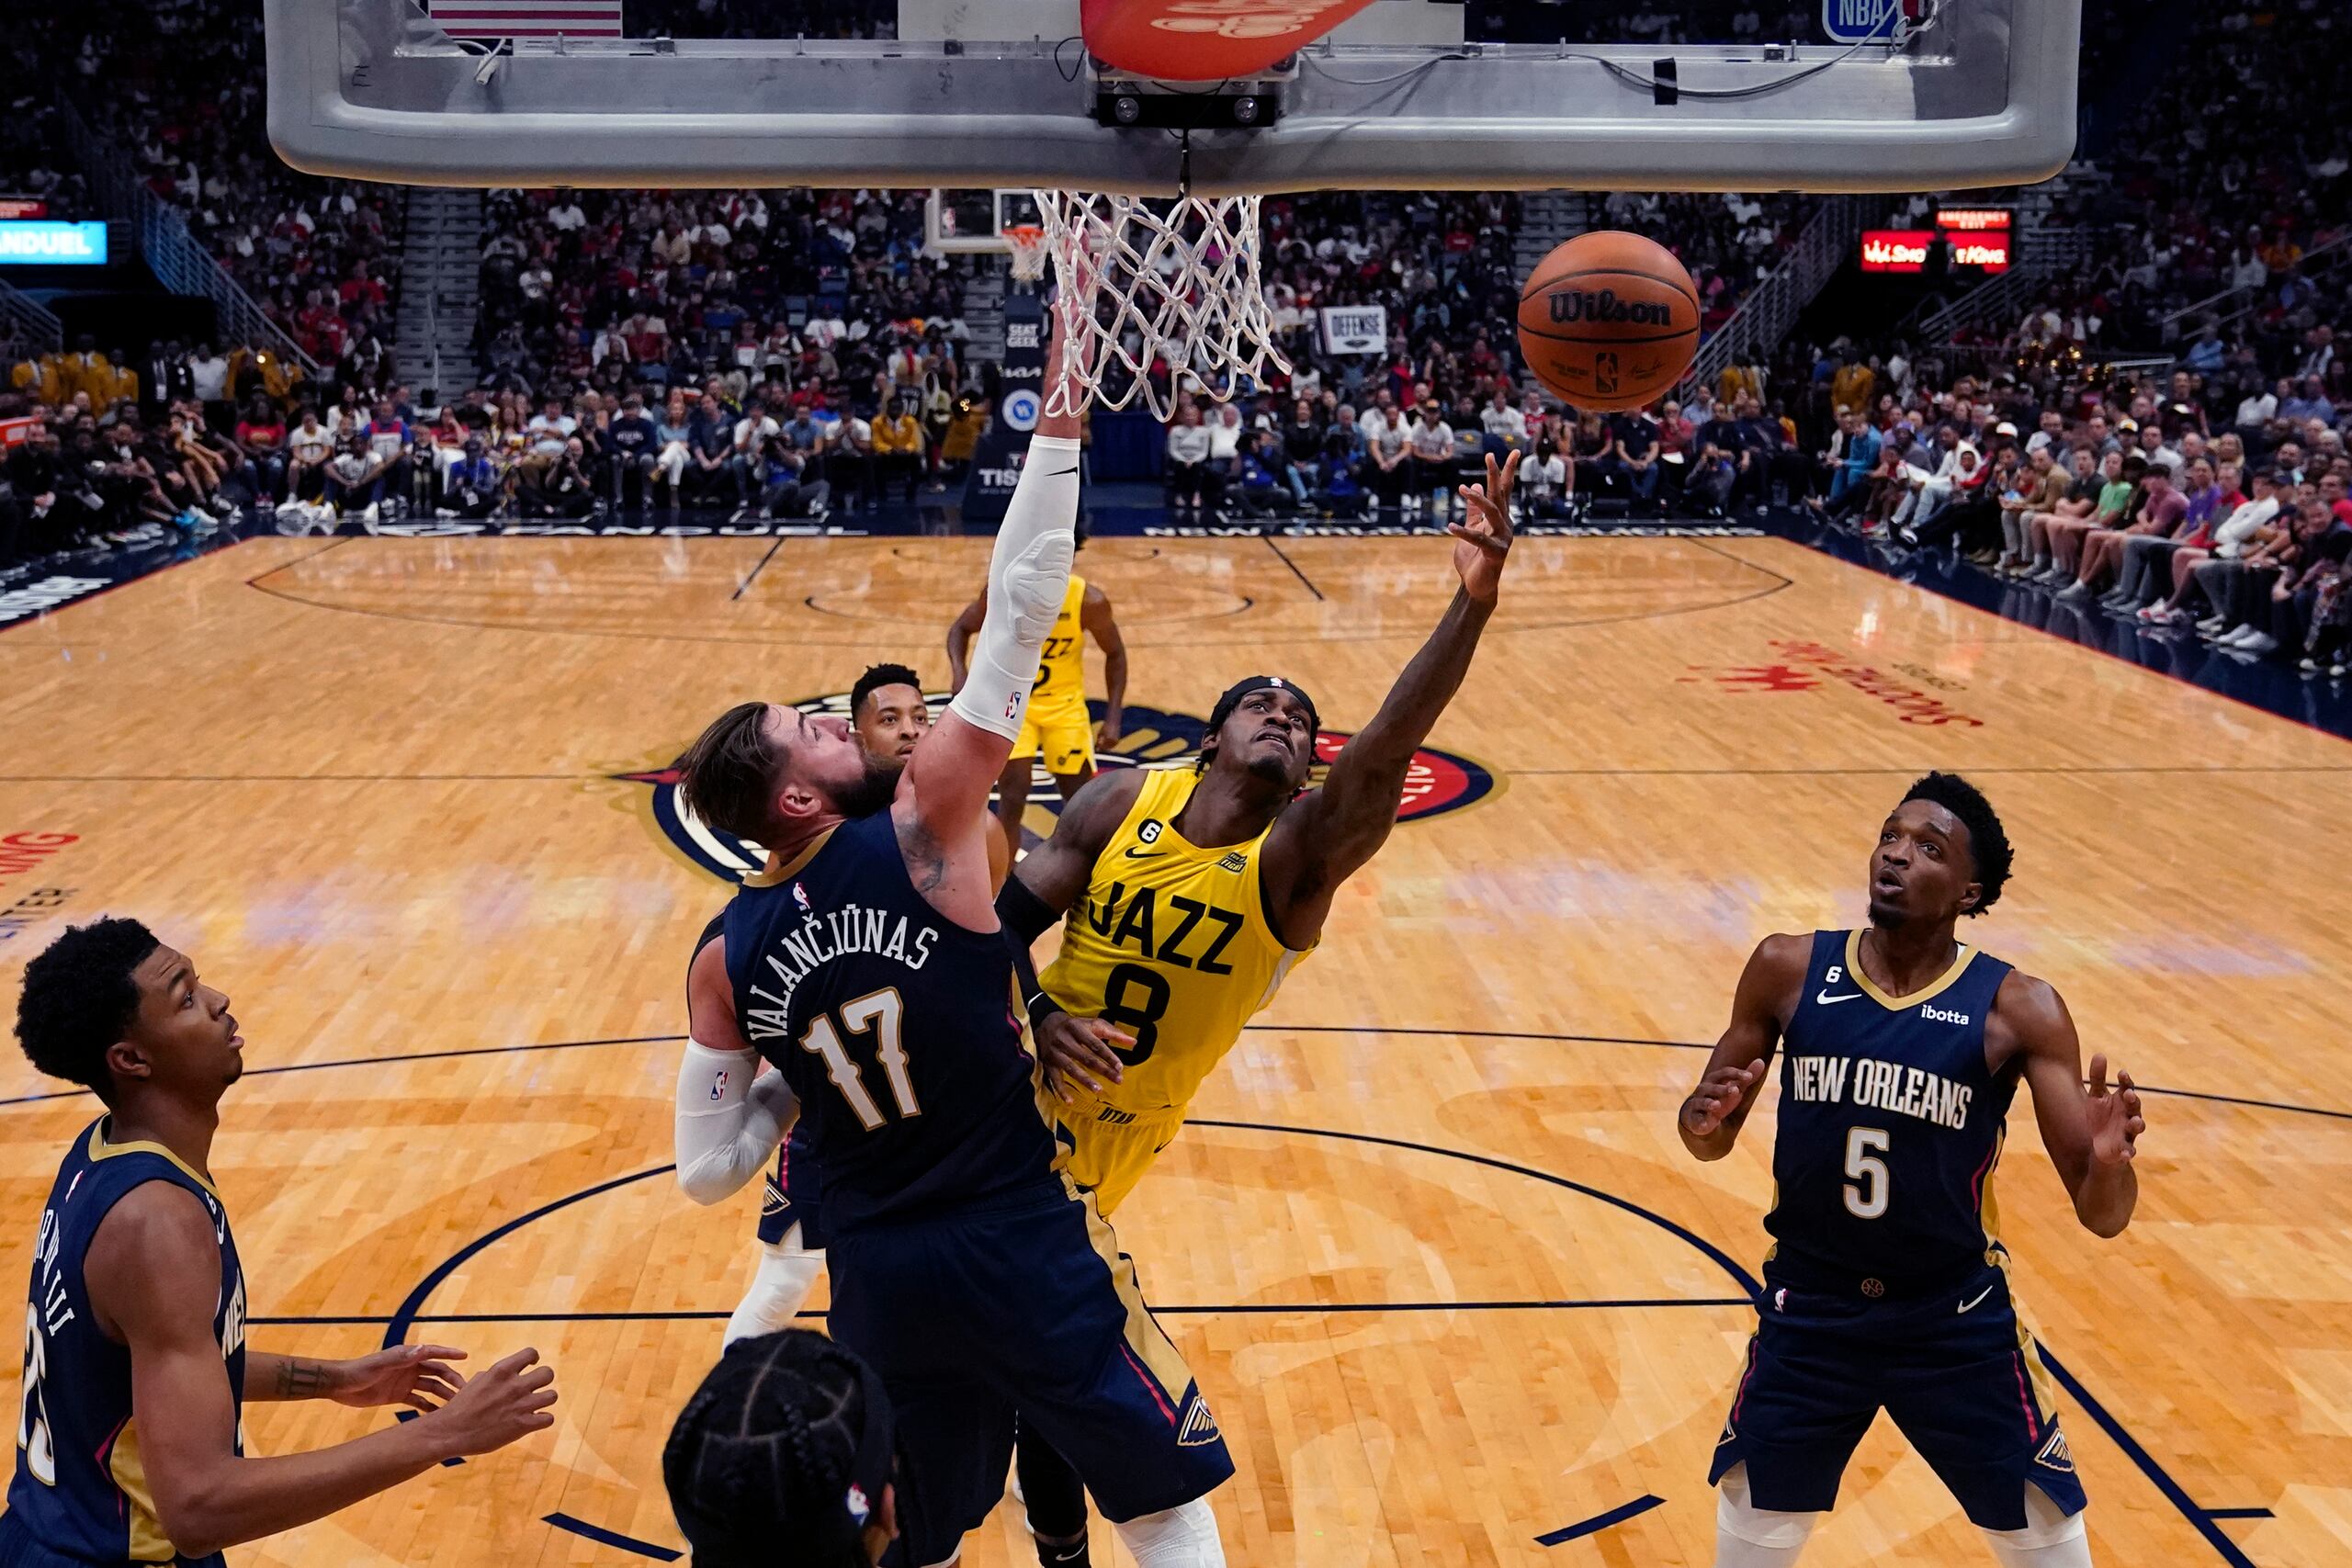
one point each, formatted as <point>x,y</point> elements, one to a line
<point>1451,1286</point>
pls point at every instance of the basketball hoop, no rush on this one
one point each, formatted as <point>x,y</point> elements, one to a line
<point>1026,242</point>
<point>1147,280</point>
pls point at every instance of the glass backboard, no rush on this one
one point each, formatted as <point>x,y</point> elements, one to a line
<point>982,94</point>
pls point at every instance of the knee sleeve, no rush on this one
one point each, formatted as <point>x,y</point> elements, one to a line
<point>1750,1537</point>
<point>786,1276</point>
<point>1176,1538</point>
<point>2052,1538</point>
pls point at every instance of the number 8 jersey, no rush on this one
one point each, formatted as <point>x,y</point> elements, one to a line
<point>1891,1124</point>
<point>1171,944</point>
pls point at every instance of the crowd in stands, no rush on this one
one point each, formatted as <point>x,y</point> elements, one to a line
<point>177,87</point>
<point>2176,498</point>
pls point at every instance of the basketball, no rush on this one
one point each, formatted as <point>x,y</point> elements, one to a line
<point>1608,320</point>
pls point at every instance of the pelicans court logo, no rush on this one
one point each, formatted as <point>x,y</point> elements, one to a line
<point>1150,738</point>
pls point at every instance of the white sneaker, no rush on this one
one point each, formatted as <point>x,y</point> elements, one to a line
<point>369,516</point>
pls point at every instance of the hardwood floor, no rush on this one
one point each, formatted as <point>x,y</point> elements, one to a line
<point>1432,1248</point>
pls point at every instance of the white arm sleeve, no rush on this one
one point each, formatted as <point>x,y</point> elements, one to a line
<point>1028,575</point>
<point>730,1120</point>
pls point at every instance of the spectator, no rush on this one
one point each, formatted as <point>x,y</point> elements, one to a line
<point>898,448</point>
<point>1546,479</point>
<point>261,433</point>
<point>310,446</point>
<point>473,486</point>
<point>1192,480</point>
<point>2156,512</point>
<point>633,454</point>
<point>1430,460</point>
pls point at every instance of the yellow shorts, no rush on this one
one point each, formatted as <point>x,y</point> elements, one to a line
<point>1106,1150</point>
<point>1064,738</point>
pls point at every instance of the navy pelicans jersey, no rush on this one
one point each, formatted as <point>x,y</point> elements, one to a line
<point>80,1483</point>
<point>1890,1126</point>
<point>895,1028</point>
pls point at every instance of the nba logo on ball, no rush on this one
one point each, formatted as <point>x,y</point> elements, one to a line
<point>1021,410</point>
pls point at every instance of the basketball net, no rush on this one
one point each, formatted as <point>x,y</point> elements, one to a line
<point>1149,282</point>
<point>1028,243</point>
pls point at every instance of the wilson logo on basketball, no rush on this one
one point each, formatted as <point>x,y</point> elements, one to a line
<point>1437,782</point>
<point>1603,304</point>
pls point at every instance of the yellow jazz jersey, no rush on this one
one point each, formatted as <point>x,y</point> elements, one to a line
<point>1055,728</point>
<point>1170,943</point>
<point>1061,663</point>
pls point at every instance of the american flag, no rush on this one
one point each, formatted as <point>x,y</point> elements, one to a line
<point>528,18</point>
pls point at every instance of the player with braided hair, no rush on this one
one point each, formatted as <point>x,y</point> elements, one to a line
<point>787,1457</point>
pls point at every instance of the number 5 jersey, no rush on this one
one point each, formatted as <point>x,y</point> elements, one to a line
<point>1891,1124</point>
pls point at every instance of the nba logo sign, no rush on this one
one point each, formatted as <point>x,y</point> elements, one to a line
<point>800,897</point>
<point>1021,407</point>
<point>1855,21</point>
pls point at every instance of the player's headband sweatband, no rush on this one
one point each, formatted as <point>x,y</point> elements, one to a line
<point>1248,683</point>
<point>734,1539</point>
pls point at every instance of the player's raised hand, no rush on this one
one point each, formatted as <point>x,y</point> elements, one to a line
<point>508,1402</point>
<point>1718,1095</point>
<point>2115,1119</point>
<point>1482,539</point>
<point>418,1376</point>
<point>1079,1051</point>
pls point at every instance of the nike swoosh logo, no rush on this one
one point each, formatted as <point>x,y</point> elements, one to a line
<point>1980,1296</point>
<point>1826,1000</point>
<point>1133,853</point>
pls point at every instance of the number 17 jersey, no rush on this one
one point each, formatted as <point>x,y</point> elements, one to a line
<point>1891,1124</point>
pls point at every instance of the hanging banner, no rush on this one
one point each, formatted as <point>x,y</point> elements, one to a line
<point>1356,329</point>
<point>996,462</point>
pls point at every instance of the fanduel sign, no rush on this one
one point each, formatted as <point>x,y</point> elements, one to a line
<point>54,244</point>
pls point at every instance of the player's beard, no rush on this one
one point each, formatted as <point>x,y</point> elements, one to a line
<point>873,791</point>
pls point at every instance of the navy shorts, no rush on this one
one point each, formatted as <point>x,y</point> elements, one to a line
<point>1028,1312</point>
<point>1955,1370</point>
<point>790,1197</point>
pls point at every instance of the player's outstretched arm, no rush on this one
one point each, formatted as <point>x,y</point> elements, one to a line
<point>1103,628</point>
<point>1711,1118</point>
<point>1330,834</point>
<point>2092,1132</point>
<point>946,781</point>
<point>960,633</point>
<point>153,1271</point>
<point>419,1376</point>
